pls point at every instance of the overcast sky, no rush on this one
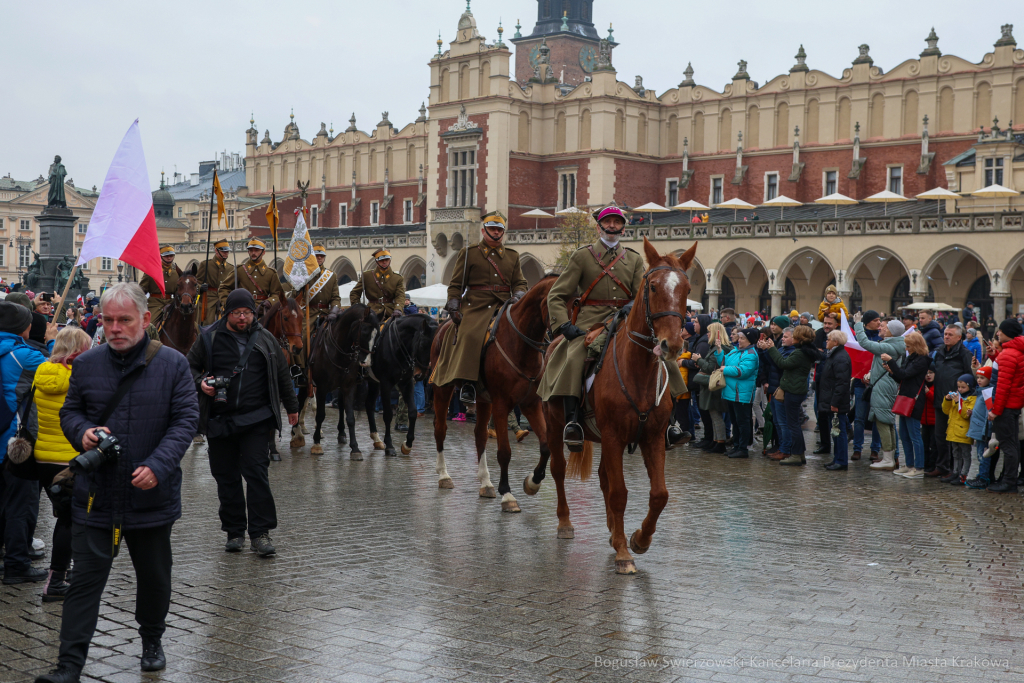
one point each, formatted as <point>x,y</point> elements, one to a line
<point>76,74</point>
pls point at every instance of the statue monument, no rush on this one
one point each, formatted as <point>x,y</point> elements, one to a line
<point>56,258</point>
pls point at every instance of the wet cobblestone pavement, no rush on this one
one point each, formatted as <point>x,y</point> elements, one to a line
<point>757,573</point>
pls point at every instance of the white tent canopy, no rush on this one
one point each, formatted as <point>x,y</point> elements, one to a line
<point>433,295</point>
<point>836,200</point>
<point>694,305</point>
<point>344,290</point>
<point>651,207</point>
<point>928,306</point>
<point>692,205</point>
<point>569,211</point>
<point>537,213</point>
<point>995,192</point>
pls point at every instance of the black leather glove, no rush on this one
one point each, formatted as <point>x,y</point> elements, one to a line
<point>453,310</point>
<point>516,296</point>
<point>570,331</point>
<point>204,288</point>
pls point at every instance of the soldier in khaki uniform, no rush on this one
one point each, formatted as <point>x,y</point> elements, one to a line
<point>211,273</point>
<point>489,273</point>
<point>258,278</point>
<point>383,287</point>
<point>607,276</point>
<point>323,291</point>
<point>172,272</point>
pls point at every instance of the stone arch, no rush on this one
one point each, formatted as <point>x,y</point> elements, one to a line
<point>698,279</point>
<point>449,268</point>
<point>441,244</point>
<point>746,273</point>
<point>345,270</point>
<point>533,269</point>
<point>813,272</point>
<point>951,271</point>
<point>1017,261</point>
<point>464,82</point>
<point>949,259</point>
<point>193,262</point>
<point>457,241</point>
<point>414,271</point>
<point>484,86</point>
<point>876,271</point>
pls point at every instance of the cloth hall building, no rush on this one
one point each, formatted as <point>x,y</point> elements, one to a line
<point>559,127</point>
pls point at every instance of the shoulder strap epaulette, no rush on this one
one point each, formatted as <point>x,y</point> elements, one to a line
<point>632,250</point>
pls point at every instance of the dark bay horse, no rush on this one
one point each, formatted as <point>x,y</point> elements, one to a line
<point>630,404</point>
<point>401,355</point>
<point>284,320</point>
<point>340,350</point>
<point>513,361</point>
<point>178,328</point>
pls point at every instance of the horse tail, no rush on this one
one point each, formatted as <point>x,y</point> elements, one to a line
<point>581,465</point>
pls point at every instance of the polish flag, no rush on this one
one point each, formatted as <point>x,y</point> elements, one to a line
<point>123,224</point>
<point>860,360</point>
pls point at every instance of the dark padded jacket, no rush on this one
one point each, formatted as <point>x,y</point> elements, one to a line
<point>796,366</point>
<point>770,373</point>
<point>834,381</point>
<point>155,423</point>
<point>949,365</point>
<point>932,333</point>
<point>910,372</point>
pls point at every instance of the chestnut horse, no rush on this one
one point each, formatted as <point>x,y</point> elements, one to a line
<point>512,363</point>
<point>178,328</point>
<point>284,320</point>
<point>630,403</point>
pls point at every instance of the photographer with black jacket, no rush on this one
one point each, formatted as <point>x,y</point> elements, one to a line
<point>139,393</point>
<point>243,376</point>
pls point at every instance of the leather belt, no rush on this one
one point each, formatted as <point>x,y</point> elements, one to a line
<point>260,297</point>
<point>489,288</point>
<point>321,306</point>
<point>617,303</point>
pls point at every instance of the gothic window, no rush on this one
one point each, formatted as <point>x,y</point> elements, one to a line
<point>716,190</point>
<point>566,190</point>
<point>342,215</point>
<point>462,178</point>
<point>830,183</point>
<point>896,179</point>
<point>407,211</point>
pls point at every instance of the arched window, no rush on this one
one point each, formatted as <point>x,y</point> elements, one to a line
<point>442,86</point>
<point>641,134</point>
<point>620,130</point>
<point>945,122</point>
<point>697,139</point>
<point>560,131</point>
<point>782,125</point>
<point>584,142</point>
<point>810,135</point>
<point>901,295</point>
<point>524,132</point>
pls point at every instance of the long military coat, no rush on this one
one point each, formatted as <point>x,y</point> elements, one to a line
<point>486,292</point>
<point>384,290</point>
<point>564,373</point>
<point>211,273</point>
<point>257,277</point>
<point>157,301</point>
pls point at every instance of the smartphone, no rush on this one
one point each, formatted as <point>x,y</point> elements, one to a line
<point>763,336</point>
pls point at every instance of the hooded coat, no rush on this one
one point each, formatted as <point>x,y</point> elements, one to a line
<point>883,386</point>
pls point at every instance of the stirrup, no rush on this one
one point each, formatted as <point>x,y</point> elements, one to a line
<point>572,437</point>
<point>468,393</point>
<point>673,435</point>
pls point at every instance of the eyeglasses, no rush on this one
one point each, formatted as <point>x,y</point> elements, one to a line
<point>241,313</point>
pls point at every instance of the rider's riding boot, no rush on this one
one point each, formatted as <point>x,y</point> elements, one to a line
<point>468,393</point>
<point>573,434</point>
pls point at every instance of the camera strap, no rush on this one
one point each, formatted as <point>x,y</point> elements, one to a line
<point>244,358</point>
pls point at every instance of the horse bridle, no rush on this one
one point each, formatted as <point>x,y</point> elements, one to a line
<point>540,347</point>
<point>355,350</point>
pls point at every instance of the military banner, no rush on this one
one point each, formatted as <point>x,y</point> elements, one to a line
<point>300,264</point>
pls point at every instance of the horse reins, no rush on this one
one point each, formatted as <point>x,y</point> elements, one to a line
<point>539,347</point>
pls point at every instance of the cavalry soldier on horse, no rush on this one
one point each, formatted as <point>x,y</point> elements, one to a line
<point>254,276</point>
<point>210,275</point>
<point>323,292</point>
<point>609,275</point>
<point>485,276</point>
<point>384,288</point>
<point>171,274</point>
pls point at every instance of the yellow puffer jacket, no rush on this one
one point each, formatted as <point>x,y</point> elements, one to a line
<point>685,372</point>
<point>51,386</point>
<point>825,307</point>
<point>959,420</point>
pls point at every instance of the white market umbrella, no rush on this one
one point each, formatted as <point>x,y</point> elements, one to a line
<point>432,295</point>
<point>928,306</point>
<point>735,204</point>
<point>691,206</point>
<point>568,212</point>
<point>537,214</point>
<point>886,197</point>
<point>782,201</point>
<point>939,193</point>
<point>994,192</point>
<point>651,207</point>
<point>836,200</point>
<point>694,305</point>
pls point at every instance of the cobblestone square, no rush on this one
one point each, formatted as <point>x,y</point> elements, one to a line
<point>757,573</point>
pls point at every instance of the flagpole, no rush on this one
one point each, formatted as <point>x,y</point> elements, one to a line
<point>67,286</point>
<point>273,228</point>
<point>209,229</point>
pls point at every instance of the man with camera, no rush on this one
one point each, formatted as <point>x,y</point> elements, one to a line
<point>243,376</point>
<point>131,408</point>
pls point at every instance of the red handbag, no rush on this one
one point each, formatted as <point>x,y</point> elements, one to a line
<point>904,405</point>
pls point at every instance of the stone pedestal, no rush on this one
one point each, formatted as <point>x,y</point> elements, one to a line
<point>56,242</point>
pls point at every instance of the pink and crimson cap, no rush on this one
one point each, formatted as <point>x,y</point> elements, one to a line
<point>609,211</point>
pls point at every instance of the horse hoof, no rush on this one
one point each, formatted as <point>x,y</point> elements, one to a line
<point>635,547</point>
<point>317,449</point>
<point>198,438</point>
<point>379,446</point>
<point>625,567</point>
<point>275,457</point>
<point>342,440</point>
<point>566,532</point>
<point>510,506</point>
<point>406,450</point>
<point>390,452</point>
<point>488,492</point>
<point>355,455</point>
<point>529,487</point>
<point>445,483</point>
<point>297,441</point>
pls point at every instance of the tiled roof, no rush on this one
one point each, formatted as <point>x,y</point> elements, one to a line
<point>22,185</point>
<point>229,181</point>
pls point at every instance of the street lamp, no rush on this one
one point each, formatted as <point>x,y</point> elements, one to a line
<point>120,268</point>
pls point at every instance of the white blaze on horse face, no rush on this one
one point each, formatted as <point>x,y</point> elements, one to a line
<point>671,282</point>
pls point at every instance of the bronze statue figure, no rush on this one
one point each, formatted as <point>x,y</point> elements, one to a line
<point>33,271</point>
<point>56,175</point>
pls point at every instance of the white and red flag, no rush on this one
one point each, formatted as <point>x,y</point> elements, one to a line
<point>123,224</point>
<point>860,360</point>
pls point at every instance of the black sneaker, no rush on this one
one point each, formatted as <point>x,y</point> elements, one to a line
<point>263,545</point>
<point>64,673</point>
<point>30,575</point>
<point>998,487</point>
<point>56,588</point>
<point>234,545</point>
<point>152,655</point>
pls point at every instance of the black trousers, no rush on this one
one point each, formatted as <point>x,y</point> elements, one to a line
<point>232,459</point>
<point>1006,429</point>
<point>742,420</point>
<point>150,550</point>
<point>943,457</point>
<point>928,437</point>
<point>19,499</point>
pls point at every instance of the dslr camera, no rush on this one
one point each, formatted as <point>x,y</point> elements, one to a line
<point>220,384</point>
<point>107,451</point>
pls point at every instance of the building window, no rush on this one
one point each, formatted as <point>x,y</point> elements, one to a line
<point>673,192</point>
<point>374,213</point>
<point>771,186</point>
<point>24,255</point>
<point>3,226</point>
<point>26,224</point>
<point>407,211</point>
<point>896,179</point>
<point>831,180</point>
<point>205,220</point>
<point>566,190</point>
<point>462,178</point>
<point>106,263</point>
<point>179,211</point>
<point>342,215</point>
<point>3,255</point>
<point>314,216</point>
<point>716,190</point>
<point>993,171</point>
<point>83,228</point>
<point>231,218</point>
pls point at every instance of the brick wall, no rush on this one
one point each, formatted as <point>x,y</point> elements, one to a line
<point>565,56</point>
<point>535,184</point>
